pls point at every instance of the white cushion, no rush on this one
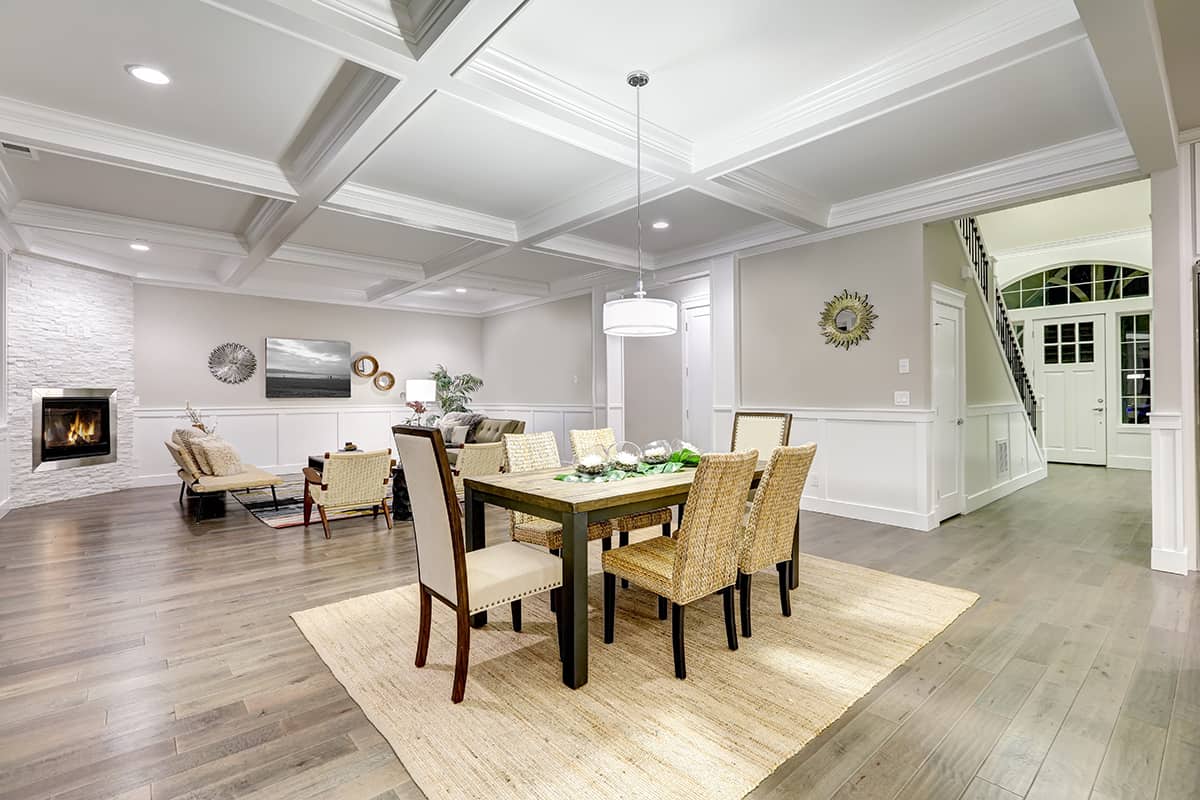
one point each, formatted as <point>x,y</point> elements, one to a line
<point>506,572</point>
<point>219,454</point>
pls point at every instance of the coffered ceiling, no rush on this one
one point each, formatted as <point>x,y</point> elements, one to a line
<point>468,157</point>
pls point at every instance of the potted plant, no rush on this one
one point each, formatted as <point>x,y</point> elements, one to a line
<point>454,391</point>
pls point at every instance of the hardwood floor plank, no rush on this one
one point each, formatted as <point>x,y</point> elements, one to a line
<point>982,790</point>
<point>952,765</point>
<point>1132,762</point>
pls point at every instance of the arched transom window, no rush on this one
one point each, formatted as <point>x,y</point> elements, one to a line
<point>1077,283</point>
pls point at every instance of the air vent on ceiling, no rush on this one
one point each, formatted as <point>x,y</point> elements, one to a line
<point>18,151</point>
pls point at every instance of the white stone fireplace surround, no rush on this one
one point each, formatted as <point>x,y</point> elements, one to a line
<point>92,436</point>
<point>67,326</point>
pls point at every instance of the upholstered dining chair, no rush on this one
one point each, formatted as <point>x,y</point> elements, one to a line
<point>760,430</point>
<point>768,530</point>
<point>351,480</point>
<point>469,583</point>
<point>477,460</point>
<point>525,452</point>
<point>584,440</point>
<point>700,560</point>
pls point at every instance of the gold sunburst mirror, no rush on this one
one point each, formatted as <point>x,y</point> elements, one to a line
<point>847,319</point>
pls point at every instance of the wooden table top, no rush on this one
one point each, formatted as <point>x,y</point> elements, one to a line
<point>539,488</point>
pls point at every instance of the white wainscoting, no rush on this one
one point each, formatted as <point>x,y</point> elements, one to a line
<point>5,466</point>
<point>281,438</point>
<point>871,464</point>
<point>1169,551</point>
<point>987,428</point>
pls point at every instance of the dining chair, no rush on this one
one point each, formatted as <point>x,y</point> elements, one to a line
<point>469,583</point>
<point>584,440</point>
<point>770,527</point>
<point>350,480</point>
<point>525,452</point>
<point>760,430</point>
<point>477,460</point>
<point>700,560</point>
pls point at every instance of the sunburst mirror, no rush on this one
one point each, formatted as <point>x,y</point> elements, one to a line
<point>232,362</point>
<point>847,319</point>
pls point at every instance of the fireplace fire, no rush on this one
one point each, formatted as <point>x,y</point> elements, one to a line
<point>73,428</point>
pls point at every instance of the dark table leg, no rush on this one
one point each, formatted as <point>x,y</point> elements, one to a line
<point>794,578</point>
<point>476,539</point>
<point>575,600</point>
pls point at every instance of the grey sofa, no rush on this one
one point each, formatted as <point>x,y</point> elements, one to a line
<point>487,431</point>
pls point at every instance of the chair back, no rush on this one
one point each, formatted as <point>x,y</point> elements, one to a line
<point>707,544</point>
<point>767,532</point>
<point>582,441</point>
<point>761,431</point>
<point>480,459</point>
<point>525,452</point>
<point>356,478</point>
<point>437,521</point>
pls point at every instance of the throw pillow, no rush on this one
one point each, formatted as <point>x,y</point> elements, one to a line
<point>222,458</point>
<point>185,455</point>
<point>187,439</point>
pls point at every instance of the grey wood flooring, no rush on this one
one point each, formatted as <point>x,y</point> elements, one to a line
<point>143,656</point>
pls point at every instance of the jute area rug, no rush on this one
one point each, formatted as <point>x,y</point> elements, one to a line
<point>634,731</point>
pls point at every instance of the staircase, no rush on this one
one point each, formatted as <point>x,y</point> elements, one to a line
<point>981,267</point>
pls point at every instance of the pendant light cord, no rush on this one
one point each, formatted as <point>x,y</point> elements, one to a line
<point>641,292</point>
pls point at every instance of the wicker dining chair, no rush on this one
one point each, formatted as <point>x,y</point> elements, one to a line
<point>469,583</point>
<point>351,480</point>
<point>584,440</point>
<point>760,430</point>
<point>477,460</point>
<point>768,530</point>
<point>700,560</point>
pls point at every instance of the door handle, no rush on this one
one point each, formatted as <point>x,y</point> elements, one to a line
<point>958,421</point>
<point>1098,408</point>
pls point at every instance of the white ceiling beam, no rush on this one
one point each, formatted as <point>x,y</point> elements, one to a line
<point>348,262</point>
<point>83,137</point>
<point>113,226</point>
<point>762,194</point>
<point>389,206</point>
<point>449,265</point>
<point>1124,35</point>
<point>595,203</point>
<point>499,283</point>
<point>10,238</point>
<point>614,256</point>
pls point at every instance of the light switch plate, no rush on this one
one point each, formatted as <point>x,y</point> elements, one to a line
<point>904,370</point>
<point>901,398</point>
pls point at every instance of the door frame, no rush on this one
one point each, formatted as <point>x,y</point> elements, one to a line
<point>691,304</point>
<point>943,295</point>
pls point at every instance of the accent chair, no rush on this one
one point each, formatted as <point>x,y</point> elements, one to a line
<point>351,480</point>
<point>469,583</point>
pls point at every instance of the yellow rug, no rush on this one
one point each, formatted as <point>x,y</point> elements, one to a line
<point>634,731</point>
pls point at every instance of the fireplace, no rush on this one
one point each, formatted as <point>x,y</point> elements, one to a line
<point>73,428</point>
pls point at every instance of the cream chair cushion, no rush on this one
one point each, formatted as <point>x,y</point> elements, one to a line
<point>251,478</point>
<point>222,459</point>
<point>502,573</point>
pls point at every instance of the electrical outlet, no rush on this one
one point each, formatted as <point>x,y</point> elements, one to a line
<point>904,369</point>
<point>901,398</point>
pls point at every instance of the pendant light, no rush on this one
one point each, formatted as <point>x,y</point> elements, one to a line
<point>640,315</point>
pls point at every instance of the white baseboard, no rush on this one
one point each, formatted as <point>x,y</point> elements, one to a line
<point>1169,560</point>
<point>1129,462</point>
<point>980,499</point>
<point>886,516</point>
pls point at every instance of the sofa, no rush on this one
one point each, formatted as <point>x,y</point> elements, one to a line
<point>487,431</point>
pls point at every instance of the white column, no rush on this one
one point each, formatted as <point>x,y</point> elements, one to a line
<point>608,371</point>
<point>723,289</point>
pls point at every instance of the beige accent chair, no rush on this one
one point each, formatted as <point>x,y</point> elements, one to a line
<point>469,583</point>
<point>700,560</point>
<point>760,430</point>
<point>250,477</point>
<point>350,480</point>
<point>768,530</point>
<point>584,440</point>
<point>476,461</point>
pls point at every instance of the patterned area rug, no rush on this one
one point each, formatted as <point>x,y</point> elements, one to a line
<point>633,731</point>
<point>291,505</point>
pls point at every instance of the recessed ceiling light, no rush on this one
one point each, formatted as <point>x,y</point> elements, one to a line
<point>148,74</point>
<point>461,290</point>
<point>141,247</point>
<point>661,225</point>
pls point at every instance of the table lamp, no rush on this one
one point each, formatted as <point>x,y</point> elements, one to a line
<point>418,392</point>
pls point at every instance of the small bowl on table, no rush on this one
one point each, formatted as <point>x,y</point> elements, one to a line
<point>593,461</point>
<point>657,452</point>
<point>626,456</point>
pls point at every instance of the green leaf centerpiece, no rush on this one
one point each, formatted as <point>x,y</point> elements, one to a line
<point>679,460</point>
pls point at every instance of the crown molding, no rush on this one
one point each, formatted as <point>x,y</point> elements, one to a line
<point>8,190</point>
<point>1092,240</point>
<point>498,283</point>
<point>265,217</point>
<point>1189,136</point>
<point>426,24</point>
<point>452,263</point>
<point>594,203</point>
<point>511,78</point>
<point>10,238</point>
<point>595,251</point>
<point>765,233</point>
<point>113,226</point>
<point>953,53</point>
<point>368,201</point>
<point>347,262</point>
<point>84,137</point>
<point>755,191</point>
<point>367,89</point>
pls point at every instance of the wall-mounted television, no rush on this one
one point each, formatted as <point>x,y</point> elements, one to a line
<point>308,368</point>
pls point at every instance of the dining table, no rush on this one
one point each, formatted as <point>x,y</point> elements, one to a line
<point>574,505</point>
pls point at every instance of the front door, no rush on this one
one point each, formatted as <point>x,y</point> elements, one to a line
<point>948,387</point>
<point>1070,380</point>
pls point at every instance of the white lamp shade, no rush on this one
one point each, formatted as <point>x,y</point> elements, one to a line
<point>420,391</point>
<point>641,316</point>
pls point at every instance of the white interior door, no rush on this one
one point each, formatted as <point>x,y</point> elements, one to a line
<point>697,383</point>
<point>948,401</point>
<point>1070,380</point>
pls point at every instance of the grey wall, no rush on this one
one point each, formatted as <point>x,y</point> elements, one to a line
<point>174,330</point>
<point>541,354</point>
<point>785,361</point>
